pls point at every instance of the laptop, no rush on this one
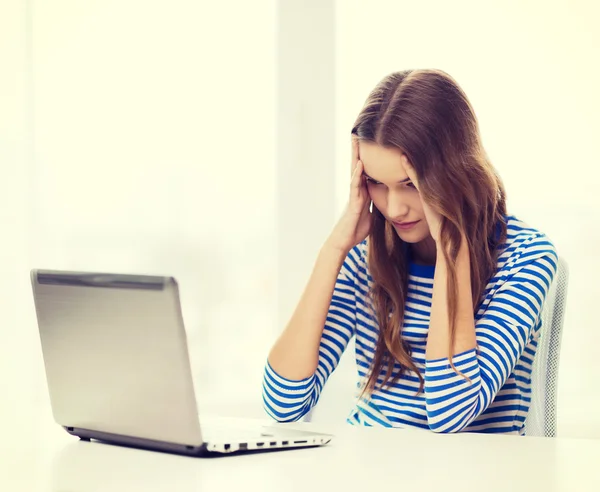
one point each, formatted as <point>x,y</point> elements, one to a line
<point>118,370</point>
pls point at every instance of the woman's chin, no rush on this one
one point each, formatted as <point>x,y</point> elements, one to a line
<point>409,238</point>
<point>412,236</point>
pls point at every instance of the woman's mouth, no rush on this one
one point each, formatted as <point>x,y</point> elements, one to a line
<point>405,225</point>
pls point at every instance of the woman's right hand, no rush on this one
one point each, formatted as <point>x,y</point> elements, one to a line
<point>356,221</point>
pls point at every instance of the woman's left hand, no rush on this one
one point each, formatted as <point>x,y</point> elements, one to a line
<point>434,220</point>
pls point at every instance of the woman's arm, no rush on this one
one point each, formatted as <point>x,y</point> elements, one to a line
<point>438,338</point>
<point>311,347</point>
<point>502,332</point>
<point>295,355</point>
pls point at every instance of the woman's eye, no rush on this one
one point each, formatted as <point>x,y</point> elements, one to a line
<point>410,184</point>
<point>372,181</point>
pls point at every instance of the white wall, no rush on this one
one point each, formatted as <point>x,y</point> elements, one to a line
<point>305,135</point>
<point>529,70</point>
<point>16,356</point>
<point>153,126</point>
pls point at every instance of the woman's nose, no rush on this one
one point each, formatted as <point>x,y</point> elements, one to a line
<point>397,208</point>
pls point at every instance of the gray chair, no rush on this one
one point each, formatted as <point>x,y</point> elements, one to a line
<point>541,419</point>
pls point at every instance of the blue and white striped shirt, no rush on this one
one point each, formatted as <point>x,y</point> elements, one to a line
<point>507,327</point>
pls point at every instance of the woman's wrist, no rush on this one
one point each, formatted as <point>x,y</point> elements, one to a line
<point>463,251</point>
<point>333,250</point>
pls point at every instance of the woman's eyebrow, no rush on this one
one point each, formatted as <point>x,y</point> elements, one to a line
<point>373,179</point>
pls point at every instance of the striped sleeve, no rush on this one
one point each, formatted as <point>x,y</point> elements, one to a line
<point>287,400</point>
<point>502,332</point>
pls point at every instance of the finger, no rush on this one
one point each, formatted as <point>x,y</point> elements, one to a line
<point>367,206</point>
<point>354,153</point>
<point>356,174</point>
<point>357,179</point>
<point>410,170</point>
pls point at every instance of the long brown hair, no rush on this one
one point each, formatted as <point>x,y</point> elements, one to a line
<point>427,116</point>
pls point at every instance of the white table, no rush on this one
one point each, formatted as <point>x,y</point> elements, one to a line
<point>363,459</point>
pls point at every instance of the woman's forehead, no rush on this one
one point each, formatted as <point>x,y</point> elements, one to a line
<point>382,163</point>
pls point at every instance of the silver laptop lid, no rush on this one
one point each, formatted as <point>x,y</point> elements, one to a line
<point>116,355</point>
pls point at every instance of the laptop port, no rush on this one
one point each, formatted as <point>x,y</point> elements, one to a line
<point>285,443</point>
<point>243,445</point>
<point>273,443</point>
<point>227,447</point>
<point>300,442</point>
<point>259,444</point>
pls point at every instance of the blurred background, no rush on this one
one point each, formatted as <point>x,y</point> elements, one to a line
<point>209,141</point>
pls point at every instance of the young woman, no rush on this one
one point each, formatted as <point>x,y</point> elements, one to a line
<point>441,288</point>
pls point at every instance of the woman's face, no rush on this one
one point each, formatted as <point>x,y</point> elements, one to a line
<point>392,192</point>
